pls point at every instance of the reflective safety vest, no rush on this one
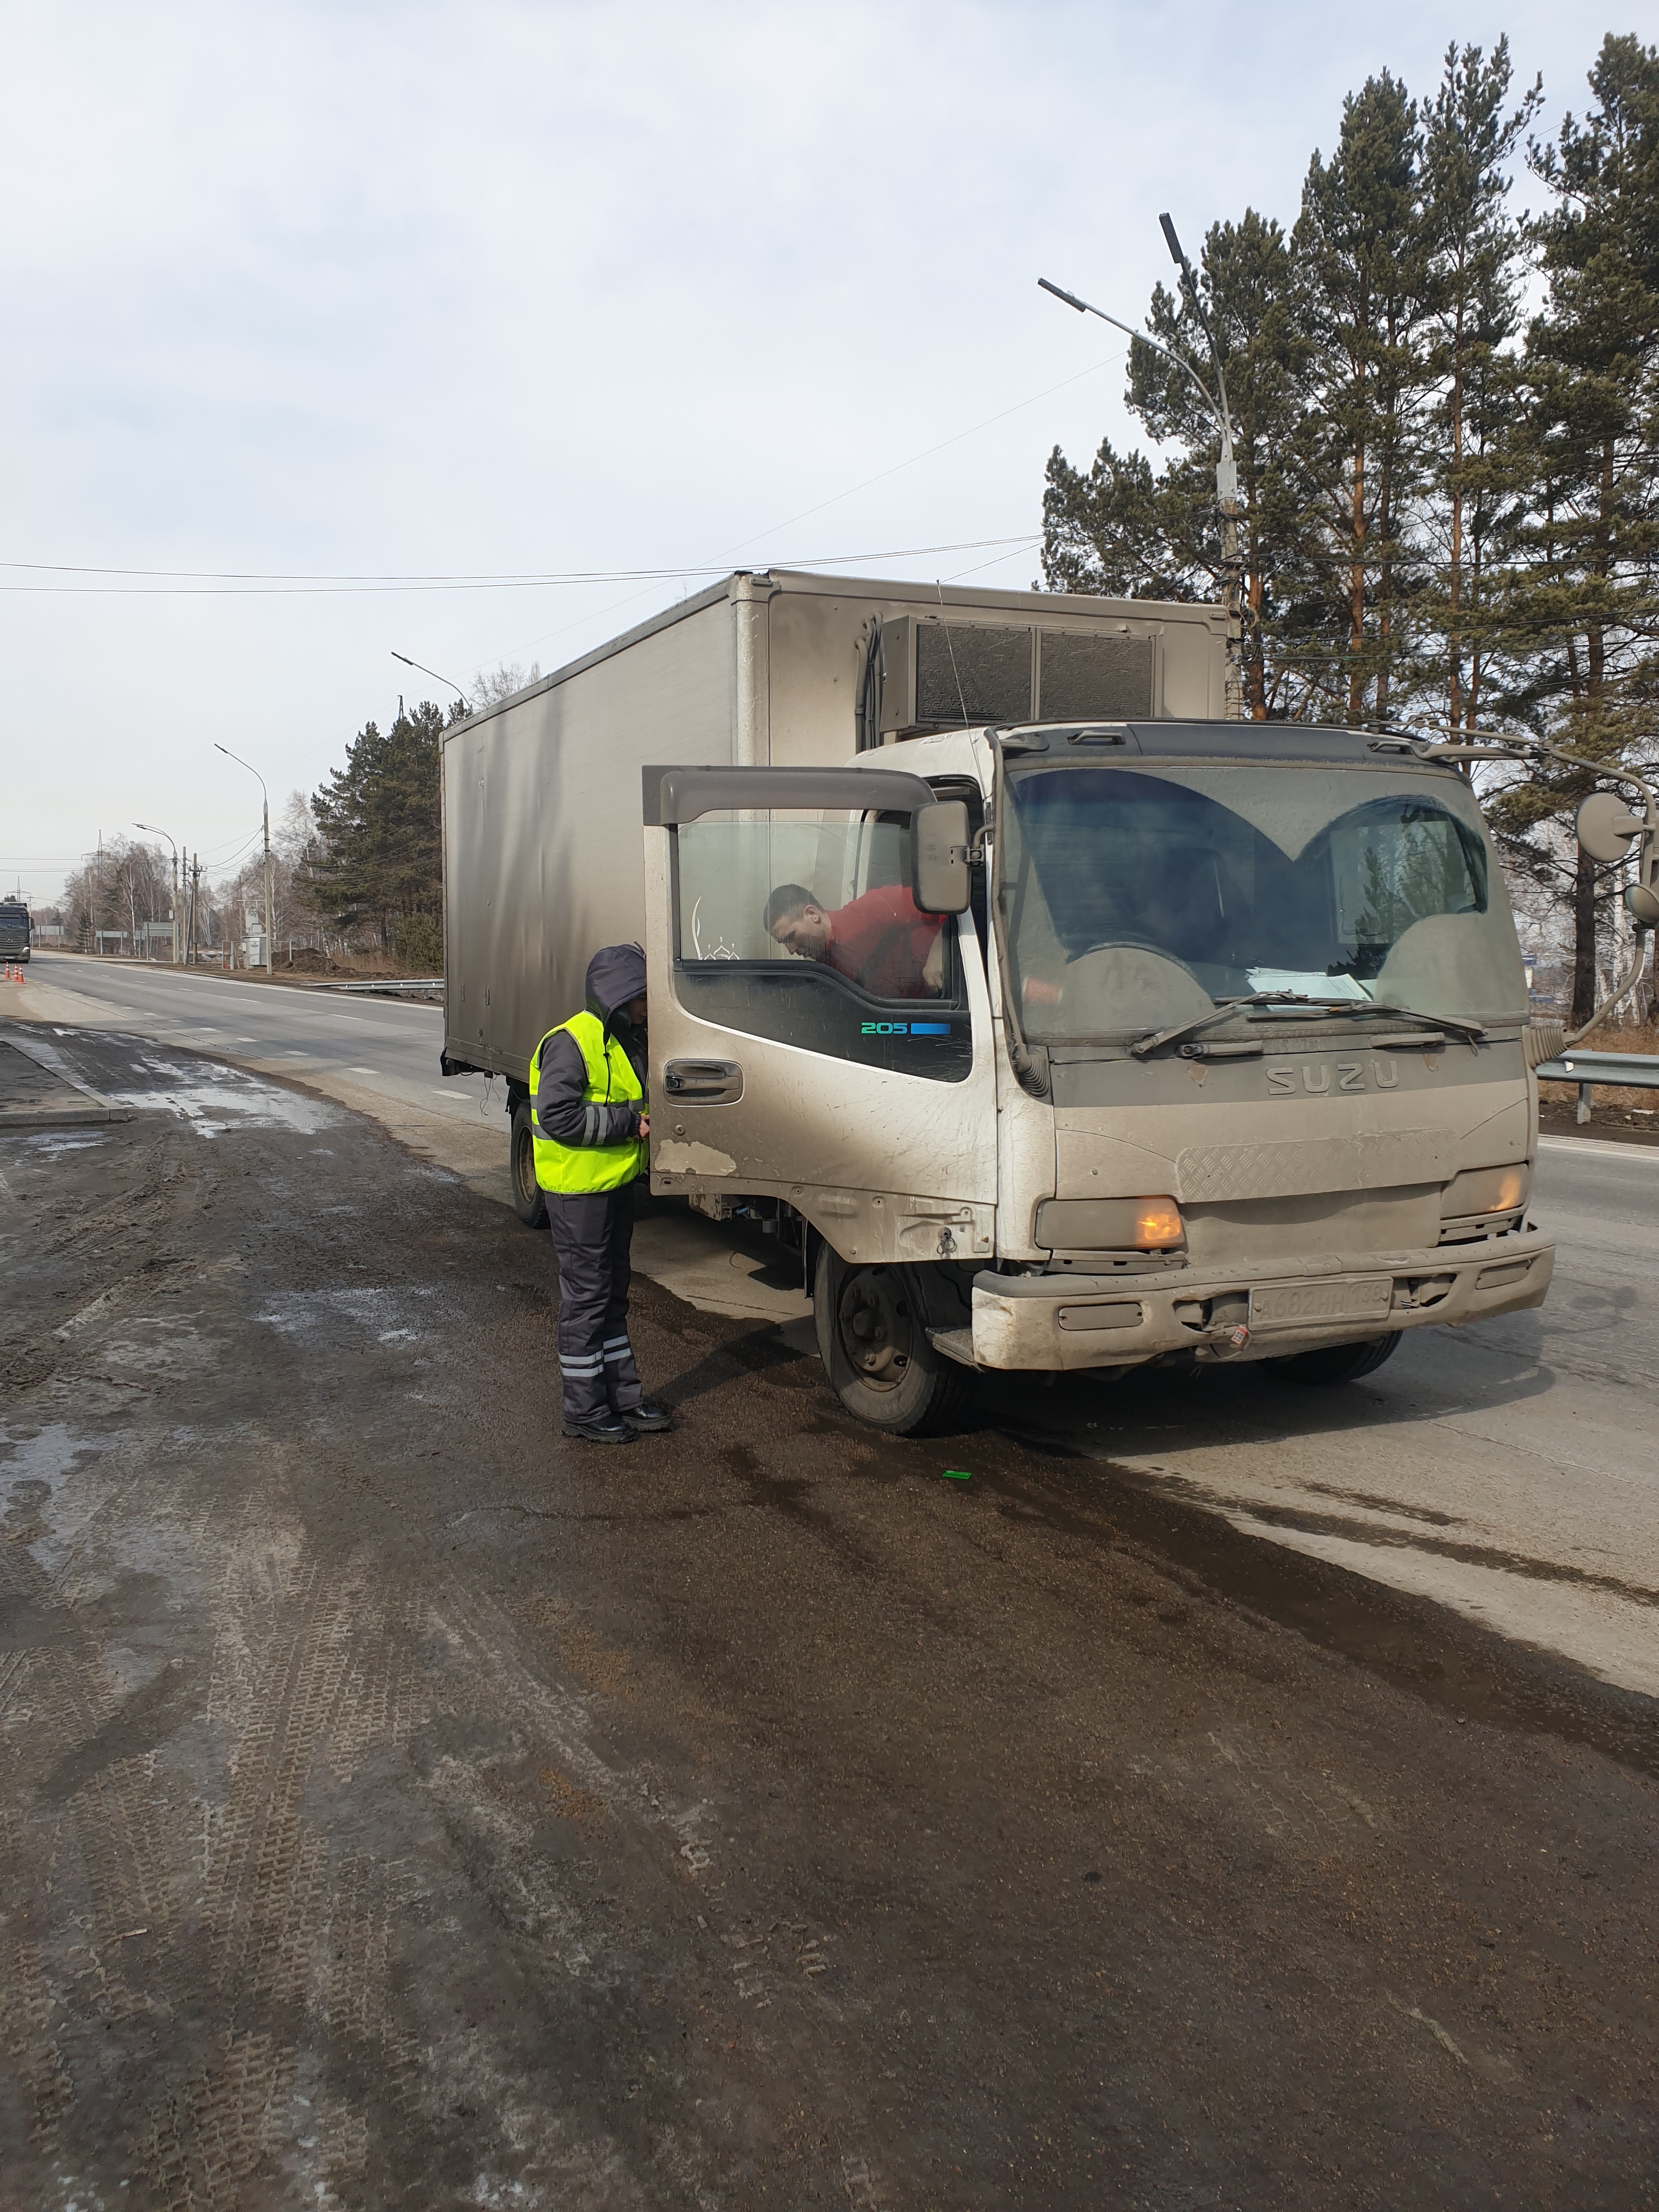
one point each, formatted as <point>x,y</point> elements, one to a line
<point>611,1082</point>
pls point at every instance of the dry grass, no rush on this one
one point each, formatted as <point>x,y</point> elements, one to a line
<point>1610,1100</point>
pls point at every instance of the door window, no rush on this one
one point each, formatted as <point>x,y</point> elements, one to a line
<point>801,928</point>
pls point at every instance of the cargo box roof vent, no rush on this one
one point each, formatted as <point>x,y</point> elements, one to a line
<point>954,675</point>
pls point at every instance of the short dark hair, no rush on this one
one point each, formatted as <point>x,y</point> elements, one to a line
<point>787,899</point>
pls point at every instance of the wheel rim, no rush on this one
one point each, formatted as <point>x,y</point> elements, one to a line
<point>524,1166</point>
<point>873,1321</point>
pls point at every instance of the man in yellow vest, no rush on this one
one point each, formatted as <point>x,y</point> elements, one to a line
<point>590,1118</point>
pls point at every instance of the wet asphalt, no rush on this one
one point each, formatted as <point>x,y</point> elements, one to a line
<point>402,1806</point>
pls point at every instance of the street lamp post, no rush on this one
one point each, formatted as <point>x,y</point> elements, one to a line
<point>270,945</point>
<point>1226,474</point>
<point>174,917</point>
<point>465,698</point>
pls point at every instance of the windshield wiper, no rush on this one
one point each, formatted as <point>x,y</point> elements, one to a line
<point>1143,1045</point>
<point>1473,1030</point>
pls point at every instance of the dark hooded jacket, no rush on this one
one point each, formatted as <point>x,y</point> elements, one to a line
<point>616,974</point>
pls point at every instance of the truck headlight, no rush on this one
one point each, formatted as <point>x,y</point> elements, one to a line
<point>1486,1190</point>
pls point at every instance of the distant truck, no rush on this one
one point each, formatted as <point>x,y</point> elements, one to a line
<point>1221,1053</point>
<point>13,930</point>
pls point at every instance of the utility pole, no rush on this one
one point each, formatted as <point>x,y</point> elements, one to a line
<point>1226,473</point>
<point>271,919</point>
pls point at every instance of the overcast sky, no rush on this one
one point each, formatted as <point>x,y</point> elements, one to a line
<point>359,290</point>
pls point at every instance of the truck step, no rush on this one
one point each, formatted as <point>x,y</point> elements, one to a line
<point>956,1344</point>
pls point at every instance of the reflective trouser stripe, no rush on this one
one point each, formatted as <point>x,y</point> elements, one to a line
<point>591,1233</point>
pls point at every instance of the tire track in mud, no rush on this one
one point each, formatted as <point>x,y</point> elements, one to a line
<point>91,1865</point>
<point>676,1862</point>
<point>265,1896</point>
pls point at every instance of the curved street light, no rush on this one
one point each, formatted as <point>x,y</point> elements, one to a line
<point>464,695</point>
<point>270,947</point>
<point>1226,473</point>
<point>152,829</point>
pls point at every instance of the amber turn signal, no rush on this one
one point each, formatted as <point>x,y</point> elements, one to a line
<point>1486,1190</point>
<point>1158,1224</point>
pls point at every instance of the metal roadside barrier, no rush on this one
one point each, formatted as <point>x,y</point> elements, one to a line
<point>400,987</point>
<point>428,987</point>
<point>1630,1071</point>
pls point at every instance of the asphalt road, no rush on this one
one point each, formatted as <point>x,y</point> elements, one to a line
<point>402,1806</point>
<point>378,1050</point>
<point>1507,1470</point>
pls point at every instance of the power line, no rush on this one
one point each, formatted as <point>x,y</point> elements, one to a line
<point>898,467</point>
<point>207,586</point>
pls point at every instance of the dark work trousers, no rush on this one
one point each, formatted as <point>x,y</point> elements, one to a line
<point>592,1232</point>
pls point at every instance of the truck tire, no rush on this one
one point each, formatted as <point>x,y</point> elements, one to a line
<point>873,1338</point>
<point>529,1199</point>
<point>1335,1362</point>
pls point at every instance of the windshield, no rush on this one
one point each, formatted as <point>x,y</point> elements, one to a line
<point>1137,897</point>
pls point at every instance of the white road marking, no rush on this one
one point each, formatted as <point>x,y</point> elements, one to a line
<point>374,1071</point>
<point>1599,1152</point>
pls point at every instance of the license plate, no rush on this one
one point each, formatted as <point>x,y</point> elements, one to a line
<point>1369,1300</point>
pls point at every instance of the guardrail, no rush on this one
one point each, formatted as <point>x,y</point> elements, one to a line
<point>399,986</point>
<point>1630,1071</point>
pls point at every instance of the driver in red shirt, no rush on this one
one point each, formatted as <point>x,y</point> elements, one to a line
<point>883,941</point>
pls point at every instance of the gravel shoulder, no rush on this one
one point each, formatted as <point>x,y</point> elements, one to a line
<point>401,1806</point>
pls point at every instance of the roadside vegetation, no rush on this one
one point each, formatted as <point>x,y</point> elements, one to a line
<point>1447,416</point>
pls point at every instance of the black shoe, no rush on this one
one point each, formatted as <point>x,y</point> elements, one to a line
<point>602,1428</point>
<point>645,1420</point>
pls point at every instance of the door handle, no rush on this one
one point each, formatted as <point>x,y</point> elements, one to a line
<point>702,1082</point>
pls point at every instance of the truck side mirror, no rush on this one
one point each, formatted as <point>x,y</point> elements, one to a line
<point>1607,831</point>
<point>1606,827</point>
<point>940,879</point>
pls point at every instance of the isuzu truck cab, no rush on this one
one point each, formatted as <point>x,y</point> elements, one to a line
<point>1226,1059</point>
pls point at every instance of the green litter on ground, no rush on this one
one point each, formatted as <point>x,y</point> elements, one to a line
<point>957,1474</point>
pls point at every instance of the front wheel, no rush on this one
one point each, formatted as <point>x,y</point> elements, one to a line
<point>1336,1363</point>
<point>529,1199</point>
<point>873,1341</point>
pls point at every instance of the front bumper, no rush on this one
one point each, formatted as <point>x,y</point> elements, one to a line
<point>1240,1313</point>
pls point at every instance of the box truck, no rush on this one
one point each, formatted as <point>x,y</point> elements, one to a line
<point>14,932</point>
<point>1126,1033</point>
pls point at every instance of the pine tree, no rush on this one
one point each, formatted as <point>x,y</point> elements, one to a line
<point>1478,258</point>
<point>379,856</point>
<point>1583,609</point>
<point>1364,249</point>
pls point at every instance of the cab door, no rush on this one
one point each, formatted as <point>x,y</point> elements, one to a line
<point>873,1116</point>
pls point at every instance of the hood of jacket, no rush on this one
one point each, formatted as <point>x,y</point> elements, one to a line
<point>616,974</point>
